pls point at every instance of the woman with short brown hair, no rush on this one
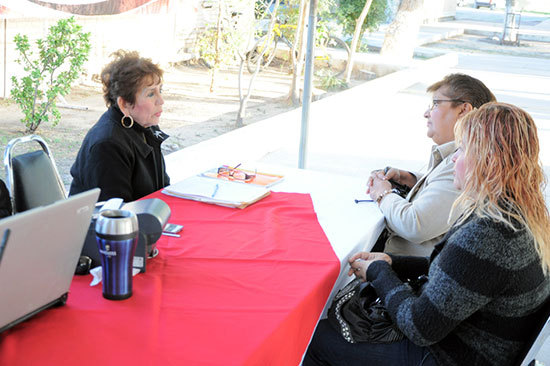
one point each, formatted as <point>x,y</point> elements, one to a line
<point>121,154</point>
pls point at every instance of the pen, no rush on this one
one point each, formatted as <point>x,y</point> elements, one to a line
<point>357,201</point>
<point>215,190</point>
<point>170,234</point>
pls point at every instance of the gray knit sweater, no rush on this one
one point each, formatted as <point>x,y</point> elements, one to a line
<point>480,304</point>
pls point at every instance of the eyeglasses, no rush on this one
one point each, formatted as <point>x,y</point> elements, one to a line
<point>234,174</point>
<point>435,102</point>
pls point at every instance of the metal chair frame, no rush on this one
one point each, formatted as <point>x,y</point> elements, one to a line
<point>8,164</point>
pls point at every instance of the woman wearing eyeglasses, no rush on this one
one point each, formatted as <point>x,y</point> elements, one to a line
<point>487,279</point>
<point>121,154</point>
<point>416,217</point>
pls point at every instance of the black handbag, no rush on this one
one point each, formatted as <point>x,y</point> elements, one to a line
<point>360,316</point>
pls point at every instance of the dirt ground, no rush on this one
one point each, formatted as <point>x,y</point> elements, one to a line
<point>191,112</point>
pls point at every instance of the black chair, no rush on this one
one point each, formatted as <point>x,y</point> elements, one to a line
<point>539,336</point>
<point>32,177</point>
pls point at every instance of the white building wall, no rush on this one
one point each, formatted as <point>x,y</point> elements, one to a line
<point>438,9</point>
<point>161,37</point>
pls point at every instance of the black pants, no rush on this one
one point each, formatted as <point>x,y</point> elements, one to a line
<point>328,347</point>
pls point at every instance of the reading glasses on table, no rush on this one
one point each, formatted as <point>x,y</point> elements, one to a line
<point>233,173</point>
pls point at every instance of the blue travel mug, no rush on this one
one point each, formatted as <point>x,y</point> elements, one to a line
<point>117,237</point>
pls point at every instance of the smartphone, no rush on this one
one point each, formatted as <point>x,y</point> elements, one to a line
<point>172,228</point>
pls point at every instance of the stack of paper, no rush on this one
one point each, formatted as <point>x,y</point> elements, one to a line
<point>217,191</point>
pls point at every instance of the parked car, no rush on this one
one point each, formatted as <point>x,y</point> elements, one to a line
<point>491,4</point>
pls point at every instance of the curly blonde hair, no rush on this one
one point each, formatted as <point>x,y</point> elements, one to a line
<point>504,177</point>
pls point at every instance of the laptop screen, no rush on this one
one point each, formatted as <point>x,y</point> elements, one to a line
<point>41,248</point>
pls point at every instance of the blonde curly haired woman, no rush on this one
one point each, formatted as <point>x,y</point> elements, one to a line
<point>488,277</point>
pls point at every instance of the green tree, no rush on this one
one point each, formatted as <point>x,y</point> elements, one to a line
<point>58,64</point>
<point>350,10</point>
<point>402,33</point>
<point>224,43</point>
<point>357,35</point>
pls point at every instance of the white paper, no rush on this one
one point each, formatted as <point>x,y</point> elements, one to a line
<point>112,204</point>
<point>97,274</point>
<point>217,191</point>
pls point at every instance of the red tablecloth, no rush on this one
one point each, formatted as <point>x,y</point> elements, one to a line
<point>240,287</point>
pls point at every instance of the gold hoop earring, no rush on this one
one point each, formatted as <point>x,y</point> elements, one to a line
<point>127,125</point>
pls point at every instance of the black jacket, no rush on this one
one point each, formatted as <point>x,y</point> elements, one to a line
<point>5,203</point>
<point>124,162</point>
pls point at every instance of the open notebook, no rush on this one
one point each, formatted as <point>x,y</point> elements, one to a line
<point>217,191</point>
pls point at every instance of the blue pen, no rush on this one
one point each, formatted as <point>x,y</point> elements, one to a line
<point>215,190</point>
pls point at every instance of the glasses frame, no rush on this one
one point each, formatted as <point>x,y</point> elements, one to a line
<point>229,173</point>
<point>435,102</point>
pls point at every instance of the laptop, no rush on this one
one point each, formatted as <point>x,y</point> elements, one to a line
<point>39,252</point>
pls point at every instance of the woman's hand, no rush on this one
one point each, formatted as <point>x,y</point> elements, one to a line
<point>360,262</point>
<point>375,173</point>
<point>399,176</point>
<point>376,185</point>
<point>393,173</point>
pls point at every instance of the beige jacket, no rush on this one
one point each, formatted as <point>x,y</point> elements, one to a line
<point>416,223</point>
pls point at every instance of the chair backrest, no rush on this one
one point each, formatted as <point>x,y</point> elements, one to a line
<point>539,336</point>
<point>32,177</point>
